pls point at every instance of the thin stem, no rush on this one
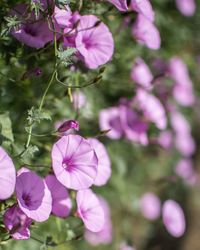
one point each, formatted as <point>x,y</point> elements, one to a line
<point>46,91</point>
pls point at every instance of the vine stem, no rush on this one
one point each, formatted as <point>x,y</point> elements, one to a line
<point>40,108</point>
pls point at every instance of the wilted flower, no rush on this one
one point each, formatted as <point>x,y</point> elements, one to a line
<point>74,162</point>
<point>7,175</point>
<point>90,210</point>
<point>104,164</point>
<point>141,74</point>
<point>33,195</point>
<point>61,202</point>
<point>146,33</point>
<point>143,7</point>
<point>17,223</point>
<point>173,218</point>
<point>105,235</point>
<point>150,206</point>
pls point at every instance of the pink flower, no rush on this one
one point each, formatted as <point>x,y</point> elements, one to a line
<point>79,99</point>
<point>17,223</point>
<point>105,235</point>
<point>165,139</point>
<point>7,175</point>
<point>141,74</point>
<point>94,42</point>
<point>33,196</point>
<point>110,119</point>
<point>183,87</point>
<point>121,5</point>
<point>186,7</point>
<point>173,218</point>
<point>74,162</point>
<point>143,7</point>
<point>150,206</point>
<point>152,108</point>
<point>146,33</point>
<point>135,129</point>
<point>67,125</point>
<point>62,16</point>
<point>104,164</point>
<point>184,141</point>
<point>90,210</point>
<point>33,33</point>
<point>61,202</point>
<point>184,169</point>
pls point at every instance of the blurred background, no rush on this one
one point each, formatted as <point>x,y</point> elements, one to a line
<point>136,169</point>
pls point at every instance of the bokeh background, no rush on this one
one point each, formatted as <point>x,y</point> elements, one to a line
<point>135,169</point>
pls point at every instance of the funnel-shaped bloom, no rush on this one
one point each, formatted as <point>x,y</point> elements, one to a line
<point>90,210</point>
<point>121,5</point>
<point>183,86</point>
<point>7,175</point>
<point>184,141</point>
<point>150,206</point>
<point>152,108</point>
<point>61,202</point>
<point>135,129</point>
<point>141,74</point>
<point>173,218</point>
<point>105,235</point>
<point>143,7</point>
<point>33,33</point>
<point>94,42</point>
<point>184,169</point>
<point>104,164</point>
<point>33,195</point>
<point>110,119</point>
<point>62,16</point>
<point>17,223</point>
<point>146,33</point>
<point>74,162</point>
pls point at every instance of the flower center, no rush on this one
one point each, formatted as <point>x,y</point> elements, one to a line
<point>27,199</point>
<point>30,31</point>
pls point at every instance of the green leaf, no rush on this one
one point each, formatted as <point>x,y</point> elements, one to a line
<point>36,115</point>
<point>65,56</point>
<point>6,134</point>
<point>61,3</point>
<point>31,150</point>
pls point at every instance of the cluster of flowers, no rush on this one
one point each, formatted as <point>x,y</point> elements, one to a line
<point>155,99</point>
<point>89,35</point>
<point>144,30</point>
<point>77,163</point>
